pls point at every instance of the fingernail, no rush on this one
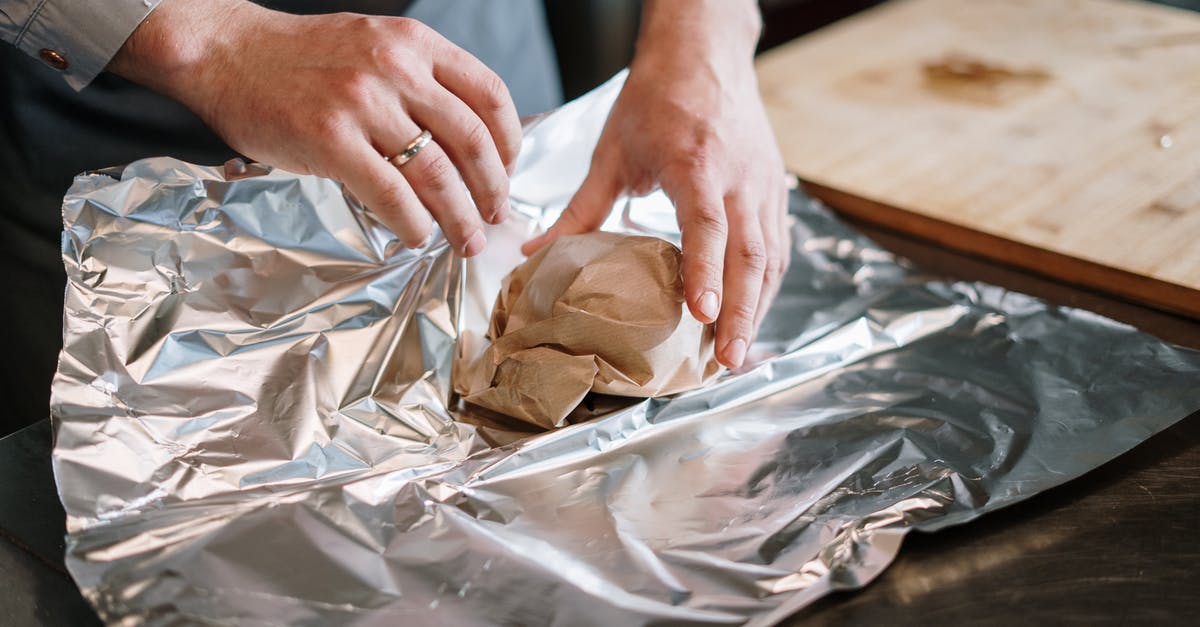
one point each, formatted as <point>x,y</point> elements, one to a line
<point>474,244</point>
<point>708,305</point>
<point>501,213</point>
<point>533,243</point>
<point>735,352</point>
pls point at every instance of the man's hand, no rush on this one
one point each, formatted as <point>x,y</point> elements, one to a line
<point>333,95</point>
<point>690,120</point>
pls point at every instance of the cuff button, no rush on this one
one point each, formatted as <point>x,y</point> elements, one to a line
<point>53,59</point>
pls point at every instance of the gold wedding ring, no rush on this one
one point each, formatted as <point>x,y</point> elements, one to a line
<point>411,149</point>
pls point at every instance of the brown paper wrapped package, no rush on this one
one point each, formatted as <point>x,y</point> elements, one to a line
<point>597,312</point>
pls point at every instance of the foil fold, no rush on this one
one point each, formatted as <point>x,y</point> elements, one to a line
<point>254,421</point>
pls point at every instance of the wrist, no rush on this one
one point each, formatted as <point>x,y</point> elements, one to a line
<point>718,34</point>
<point>182,44</point>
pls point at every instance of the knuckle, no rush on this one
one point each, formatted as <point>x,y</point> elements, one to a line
<point>357,89</point>
<point>692,169</point>
<point>395,45</point>
<point>691,162</point>
<point>393,197</point>
<point>364,27</point>
<point>395,62</point>
<point>458,227</point>
<point>696,150</point>
<point>753,255</point>
<point>491,194</point>
<point>403,67</point>
<point>709,220</point>
<point>493,93</point>
<point>776,266</point>
<point>743,314</point>
<point>329,128</point>
<point>435,173</point>
<point>476,141</point>
<point>703,267</point>
<point>409,28</point>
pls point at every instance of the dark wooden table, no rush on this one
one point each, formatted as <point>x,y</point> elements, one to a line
<point>1119,546</point>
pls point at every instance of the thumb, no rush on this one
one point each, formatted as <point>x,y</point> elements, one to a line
<point>589,207</point>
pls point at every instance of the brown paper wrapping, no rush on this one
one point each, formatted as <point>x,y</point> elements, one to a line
<point>598,312</point>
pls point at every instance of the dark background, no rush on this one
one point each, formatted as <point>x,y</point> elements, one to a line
<point>594,38</point>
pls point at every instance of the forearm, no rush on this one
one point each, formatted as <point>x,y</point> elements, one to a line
<point>716,34</point>
<point>181,44</point>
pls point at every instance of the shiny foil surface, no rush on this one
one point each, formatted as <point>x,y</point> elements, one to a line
<point>254,422</point>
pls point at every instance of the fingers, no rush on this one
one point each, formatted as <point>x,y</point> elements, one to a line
<point>434,179</point>
<point>383,189</point>
<point>588,207</point>
<point>704,232</point>
<point>470,145</point>
<point>476,132</point>
<point>778,241</point>
<point>745,264</point>
<point>485,93</point>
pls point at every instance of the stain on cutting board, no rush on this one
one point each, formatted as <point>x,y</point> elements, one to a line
<point>962,77</point>
<point>954,76</point>
<point>1060,136</point>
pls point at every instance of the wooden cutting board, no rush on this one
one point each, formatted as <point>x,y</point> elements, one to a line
<point>1062,136</point>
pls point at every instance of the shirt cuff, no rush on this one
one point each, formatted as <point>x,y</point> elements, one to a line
<point>80,37</point>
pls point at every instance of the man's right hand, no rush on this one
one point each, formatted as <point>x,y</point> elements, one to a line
<point>333,95</point>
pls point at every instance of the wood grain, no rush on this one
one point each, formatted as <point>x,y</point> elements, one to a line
<point>1061,136</point>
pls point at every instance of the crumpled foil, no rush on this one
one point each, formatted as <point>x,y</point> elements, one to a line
<point>254,422</point>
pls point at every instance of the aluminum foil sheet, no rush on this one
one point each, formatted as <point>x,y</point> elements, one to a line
<point>254,423</point>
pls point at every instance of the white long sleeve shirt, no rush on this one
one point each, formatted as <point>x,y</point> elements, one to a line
<point>76,37</point>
